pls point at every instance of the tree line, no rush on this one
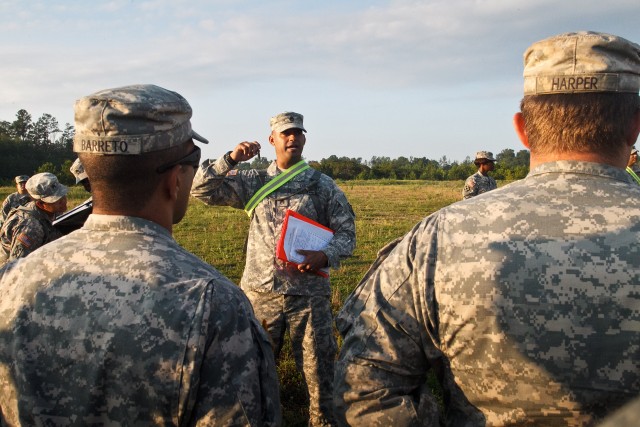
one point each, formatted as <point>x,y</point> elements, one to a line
<point>28,147</point>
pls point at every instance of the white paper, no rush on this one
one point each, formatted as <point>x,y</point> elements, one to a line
<point>303,235</point>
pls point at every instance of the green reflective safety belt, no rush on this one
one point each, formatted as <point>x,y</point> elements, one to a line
<point>633,174</point>
<point>271,186</point>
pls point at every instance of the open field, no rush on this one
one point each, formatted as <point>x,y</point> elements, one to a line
<point>384,210</point>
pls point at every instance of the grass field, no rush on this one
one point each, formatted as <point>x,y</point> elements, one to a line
<point>384,210</point>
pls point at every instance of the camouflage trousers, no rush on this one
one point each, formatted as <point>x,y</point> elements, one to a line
<point>310,324</point>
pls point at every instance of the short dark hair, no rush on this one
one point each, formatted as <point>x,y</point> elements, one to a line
<point>585,122</point>
<point>126,182</point>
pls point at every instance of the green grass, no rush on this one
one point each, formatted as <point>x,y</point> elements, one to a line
<point>384,210</point>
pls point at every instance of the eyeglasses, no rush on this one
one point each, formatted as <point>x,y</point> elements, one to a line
<point>191,159</point>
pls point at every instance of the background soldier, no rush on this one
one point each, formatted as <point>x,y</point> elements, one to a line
<point>13,200</point>
<point>77,169</point>
<point>116,324</point>
<point>480,182</point>
<point>285,296</point>
<point>633,159</point>
<point>527,314</point>
<point>29,227</point>
<point>74,218</point>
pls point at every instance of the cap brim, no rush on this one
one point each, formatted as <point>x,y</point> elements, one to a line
<point>283,128</point>
<point>195,135</point>
<point>62,191</point>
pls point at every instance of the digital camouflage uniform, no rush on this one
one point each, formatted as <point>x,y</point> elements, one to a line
<point>116,324</point>
<point>478,184</point>
<point>12,201</point>
<point>278,290</point>
<point>24,231</point>
<point>524,302</point>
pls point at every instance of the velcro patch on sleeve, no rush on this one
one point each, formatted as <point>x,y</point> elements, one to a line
<point>25,240</point>
<point>232,172</point>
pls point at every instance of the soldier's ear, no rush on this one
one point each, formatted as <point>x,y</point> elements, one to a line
<point>518,125</point>
<point>171,183</point>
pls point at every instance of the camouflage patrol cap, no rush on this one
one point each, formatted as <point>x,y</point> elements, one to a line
<point>21,178</point>
<point>580,62</point>
<point>77,169</point>
<point>485,155</point>
<point>45,186</point>
<point>287,120</point>
<point>132,120</point>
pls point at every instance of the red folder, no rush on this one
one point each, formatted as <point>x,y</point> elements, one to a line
<point>313,233</point>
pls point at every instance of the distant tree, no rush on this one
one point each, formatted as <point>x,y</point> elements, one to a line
<point>523,157</point>
<point>512,166</point>
<point>340,167</point>
<point>66,138</point>
<point>382,168</point>
<point>255,163</point>
<point>460,171</point>
<point>444,163</point>
<point>401,167</point>
<point>22,125</point>
<point>506,158</point>
<point>5,130</point>
<point>433,172</point>
<point>365,173</point>
<point>27,147</point>
<point>65,176</point>
<point>260,163</point>
<point>47,167</point>
<point>42,130</point>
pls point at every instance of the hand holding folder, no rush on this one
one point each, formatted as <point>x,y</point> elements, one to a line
<point>302,233</point>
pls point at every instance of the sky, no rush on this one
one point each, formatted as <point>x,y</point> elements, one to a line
<point>378,78</point>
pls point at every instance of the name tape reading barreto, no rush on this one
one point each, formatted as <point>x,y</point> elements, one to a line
<point>112,146</point>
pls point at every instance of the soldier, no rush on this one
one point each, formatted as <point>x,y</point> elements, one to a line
<point>283,295</point>
<point>13,200</point>
<point>523,302</point>
<point>480,182</point>
<point>77,169</point>
<point>116,324</point>
<point>633,158</point>
<point>76,217</point>
<point>30,226</point>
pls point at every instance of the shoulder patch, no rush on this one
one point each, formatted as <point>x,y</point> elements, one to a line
<point>25,240</point>
<point>232,172</point>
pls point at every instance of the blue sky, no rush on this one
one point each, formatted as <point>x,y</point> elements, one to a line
<point>372,78</point>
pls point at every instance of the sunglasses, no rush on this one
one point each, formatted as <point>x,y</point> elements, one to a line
<point>191,159</point>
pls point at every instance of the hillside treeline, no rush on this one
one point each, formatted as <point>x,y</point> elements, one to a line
<point>28,147</point>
